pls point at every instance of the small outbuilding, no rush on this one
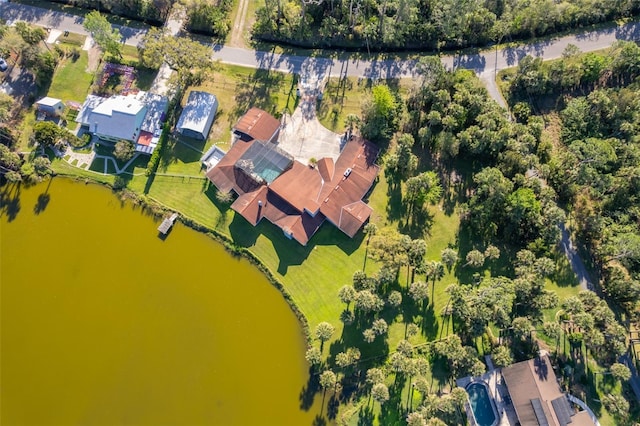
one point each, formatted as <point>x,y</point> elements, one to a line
<point>50,106</point>
<point>197,116</point>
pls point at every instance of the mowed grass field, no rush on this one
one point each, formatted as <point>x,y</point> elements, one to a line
<point>71,80</point>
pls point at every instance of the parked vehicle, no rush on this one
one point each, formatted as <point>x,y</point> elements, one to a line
<point>3,65</point>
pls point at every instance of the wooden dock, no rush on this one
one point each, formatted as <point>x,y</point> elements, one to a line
<point>167,223</point>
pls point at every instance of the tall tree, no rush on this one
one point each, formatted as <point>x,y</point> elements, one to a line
<point>324,331</point>
<point>124,150</point>
<point>380,114</point>
<point>347,294</point>
<point>191,60</point>
<point>449,257</point>
<point>475,259</point>
<point>105,36</point>
<point>420,189</point>
<point>313,356</point>
<point>380,393</point>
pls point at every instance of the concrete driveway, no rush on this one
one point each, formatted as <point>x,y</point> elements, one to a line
<point>302,135</point>
<point>305,138</point>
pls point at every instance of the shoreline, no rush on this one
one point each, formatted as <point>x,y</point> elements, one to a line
<point>157,209</point>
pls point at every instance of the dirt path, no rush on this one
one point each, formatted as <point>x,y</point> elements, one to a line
<point>237,39</point>
<point>94,58</point>
<point>576,262</point>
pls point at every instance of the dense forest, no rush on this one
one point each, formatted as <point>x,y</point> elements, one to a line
<point>595,169</point>
<point>426,24</point>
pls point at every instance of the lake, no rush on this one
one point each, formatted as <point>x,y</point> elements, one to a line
<point>105,323</point>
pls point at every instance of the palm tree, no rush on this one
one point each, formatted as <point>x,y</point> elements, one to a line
<point>328,380</point>
<point>324,331</point>
<point>370,229</point>
<point>435,272</point>
<point>380,393</point>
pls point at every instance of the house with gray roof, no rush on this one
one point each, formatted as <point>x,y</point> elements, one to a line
<point>197,115</point>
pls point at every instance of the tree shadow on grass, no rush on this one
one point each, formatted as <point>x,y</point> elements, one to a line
<point>392,411</point>
<point>420,314</point>
<point>365,415</point>
<point>211,192</point>
<point>352,337</point>
<point>439,375</point>
<point>291,252</point>
<point>10,200</point>
<point>186,150</point>
<point>147,185</point>
<point>465,243</point>
<point>419,224</point>
<point>332,407</point>
<point>396,210</point>
<point>564,275</point>
<point>257,90</point>
<point>319,420</point>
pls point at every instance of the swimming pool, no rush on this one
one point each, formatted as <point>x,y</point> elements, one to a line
<point>482,405</point>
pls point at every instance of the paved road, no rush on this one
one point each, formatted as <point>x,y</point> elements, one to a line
<point>485,63</point>
<point>11,12</point>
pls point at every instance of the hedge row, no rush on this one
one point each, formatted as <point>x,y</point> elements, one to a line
<point>154,161</point>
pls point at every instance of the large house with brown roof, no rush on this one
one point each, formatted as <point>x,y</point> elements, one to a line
<point>536,396</point>
<point>295,197</point>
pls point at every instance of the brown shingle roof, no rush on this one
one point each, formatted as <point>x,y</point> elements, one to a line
<point>358,156</point>
<point>252,205</point>
<point>531,380</point>
<point>300,186</point>
<point>257,124</point>
<point>326,167</point>
<point>300,226</point>
<point>353,216</point>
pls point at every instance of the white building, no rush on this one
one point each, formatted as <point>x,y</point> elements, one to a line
<point>50,106</point>
<point>136,117</point>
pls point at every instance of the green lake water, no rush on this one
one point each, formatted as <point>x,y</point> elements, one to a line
<point>105,323</point>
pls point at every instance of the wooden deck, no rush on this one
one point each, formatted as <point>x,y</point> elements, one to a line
<point>167,223</point>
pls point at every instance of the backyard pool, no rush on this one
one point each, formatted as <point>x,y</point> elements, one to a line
<point>482,406</point>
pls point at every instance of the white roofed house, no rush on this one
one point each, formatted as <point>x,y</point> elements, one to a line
<point>136,117</point>
<point>197,116</point>
<point>50,106</point>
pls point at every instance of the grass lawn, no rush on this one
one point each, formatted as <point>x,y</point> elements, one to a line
<point>72,39</point>
<point>26,130</point>
<point>70,81</point>
<point>182,156</point>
